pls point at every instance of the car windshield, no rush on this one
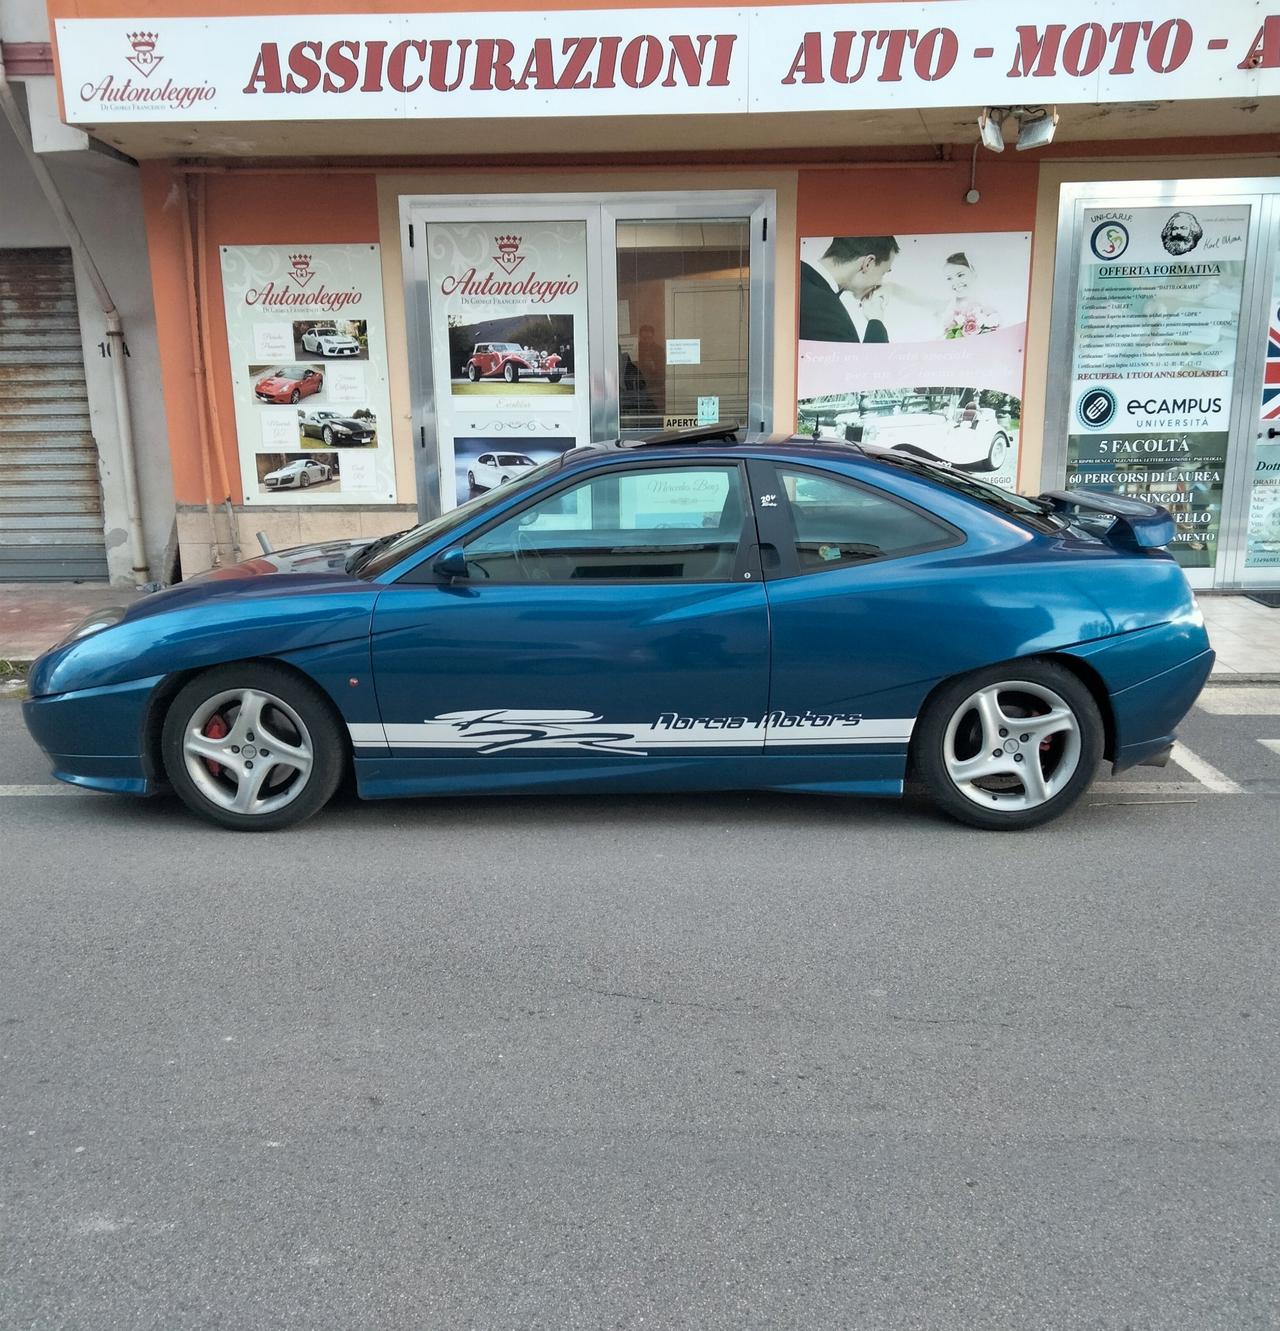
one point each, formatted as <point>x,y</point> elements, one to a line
<point>1033,511</point>
<point>386,552</point>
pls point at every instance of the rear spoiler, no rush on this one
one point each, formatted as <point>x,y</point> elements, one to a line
<point>1131,524</point>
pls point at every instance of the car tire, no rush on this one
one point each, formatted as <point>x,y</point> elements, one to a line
<point>305,479</point>
<point>295,397</point>
<point>327,435</point>
<point>290,713</point>
<point>979,731</point>
<point>511,373</point>
<point>997,453</point>
<point>553,378</point>
<point>471,479</point>
<point>472,373</point>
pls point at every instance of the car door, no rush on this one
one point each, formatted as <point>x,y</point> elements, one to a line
<point>861,588</point>
<point>612,629</point>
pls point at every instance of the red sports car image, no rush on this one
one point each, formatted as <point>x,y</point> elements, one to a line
<point>289,383</point>
<point>510,360</point>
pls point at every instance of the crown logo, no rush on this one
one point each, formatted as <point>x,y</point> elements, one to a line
<point>508,256</point>
<point>300,268</point>
<point>144,58</point>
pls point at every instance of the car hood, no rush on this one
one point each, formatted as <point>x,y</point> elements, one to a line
<point>274,382</point>
<point>347,423</point>
<point>341,338</point>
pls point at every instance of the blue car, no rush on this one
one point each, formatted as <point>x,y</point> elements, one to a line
<point>709,611</point>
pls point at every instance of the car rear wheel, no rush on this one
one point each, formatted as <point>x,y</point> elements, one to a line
<point>510,372</point>
<point>252,747</point>
<point>998,451</point>
<point>1010,746</point>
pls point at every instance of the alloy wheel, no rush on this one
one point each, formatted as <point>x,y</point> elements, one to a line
<point>248,751</point>
<point>1012,746</point>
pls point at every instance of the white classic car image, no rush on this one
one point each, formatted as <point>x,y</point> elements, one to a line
<point>493,469</point>
<point>963,435</point>
<point>326,340</point>
<point>298,475</point>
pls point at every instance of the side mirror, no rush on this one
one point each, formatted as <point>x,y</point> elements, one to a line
<point>451,565</point>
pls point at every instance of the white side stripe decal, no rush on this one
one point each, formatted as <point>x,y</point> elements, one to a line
<point>501,730</point>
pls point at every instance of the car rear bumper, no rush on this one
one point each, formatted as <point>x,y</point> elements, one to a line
<point>1147,715</point>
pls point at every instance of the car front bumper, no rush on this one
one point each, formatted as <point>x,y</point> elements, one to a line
<point>93,737</point>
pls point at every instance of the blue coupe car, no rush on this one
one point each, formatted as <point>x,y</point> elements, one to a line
<point>708,611</point>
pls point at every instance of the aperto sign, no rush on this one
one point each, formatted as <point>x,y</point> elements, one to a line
<point>663,61</point>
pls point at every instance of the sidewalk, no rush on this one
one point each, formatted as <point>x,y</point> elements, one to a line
<point>33,617</point>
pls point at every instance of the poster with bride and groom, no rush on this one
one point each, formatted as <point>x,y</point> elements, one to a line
<point>916,342</point>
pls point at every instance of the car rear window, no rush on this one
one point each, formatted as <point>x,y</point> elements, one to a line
<point>1031,511</point>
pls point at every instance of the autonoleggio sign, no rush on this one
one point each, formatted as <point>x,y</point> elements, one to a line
<point>662,61</point>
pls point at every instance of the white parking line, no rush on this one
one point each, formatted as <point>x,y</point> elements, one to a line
<point>1206,773</point>
<point>26,791</point>
<point>1152,788</point>
<point>1272,744</point>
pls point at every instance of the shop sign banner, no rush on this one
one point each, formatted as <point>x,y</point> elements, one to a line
<point>916,343</point>
<point>1157,305</point>
<point>309,367</point>
<point>703,61</point>
<point>1263,546</point>
<point>508,314</point>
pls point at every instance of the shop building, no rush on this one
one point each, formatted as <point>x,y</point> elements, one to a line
<point>397,258</point>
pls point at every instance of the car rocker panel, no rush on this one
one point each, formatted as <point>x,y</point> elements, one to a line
<point>1001,657</point>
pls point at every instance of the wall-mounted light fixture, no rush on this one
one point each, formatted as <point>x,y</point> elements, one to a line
<point>1036,126</point>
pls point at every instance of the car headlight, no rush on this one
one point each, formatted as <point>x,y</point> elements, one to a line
<point>95,623</point>
<point>341,429</point>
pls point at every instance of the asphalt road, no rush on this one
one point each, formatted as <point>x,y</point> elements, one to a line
<point>701,1062</point>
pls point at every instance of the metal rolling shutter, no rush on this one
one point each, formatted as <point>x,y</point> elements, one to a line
<point>50,498</point>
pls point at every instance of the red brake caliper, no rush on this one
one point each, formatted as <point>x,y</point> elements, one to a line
<point>215,728</point>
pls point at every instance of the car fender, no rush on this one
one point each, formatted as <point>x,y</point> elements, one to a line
<point>211,623</point>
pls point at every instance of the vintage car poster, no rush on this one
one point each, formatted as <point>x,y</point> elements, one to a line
<point>1157,306</point>
<point>508,312</point>
<point>916,343</point>
<point>1263,547</point>
<point>309,365</point>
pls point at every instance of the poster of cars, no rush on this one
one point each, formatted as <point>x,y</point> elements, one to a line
<point>916,343</point>
<point>508,312</point>
<point>309,365</point>
<point>1263,546</point>
<point>1157,306</point>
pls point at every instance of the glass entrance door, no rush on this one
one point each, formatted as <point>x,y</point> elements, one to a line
<point>539,326</point>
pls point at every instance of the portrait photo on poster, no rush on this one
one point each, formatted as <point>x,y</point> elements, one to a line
<point>916,343</point>
<point>484,464</point>
<point>534,351</point>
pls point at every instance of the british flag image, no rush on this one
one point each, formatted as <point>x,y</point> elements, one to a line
<point>1271,375</point>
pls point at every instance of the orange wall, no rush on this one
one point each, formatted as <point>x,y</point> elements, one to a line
<point>240,210</point>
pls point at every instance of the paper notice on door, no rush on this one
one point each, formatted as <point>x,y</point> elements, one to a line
<point>708,411</point>
<point>345,383</point>
<point>273,342</point>
<point>684,351</point>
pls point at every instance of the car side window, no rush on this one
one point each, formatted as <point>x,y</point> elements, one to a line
<point>641,525</point>
<point>838,524</point>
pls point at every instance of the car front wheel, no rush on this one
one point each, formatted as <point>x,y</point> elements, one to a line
<point>510,372</point>
<point>252,747</point>
<point>1010,746</point>
<point>473,373</point>
<point>295,397</point>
